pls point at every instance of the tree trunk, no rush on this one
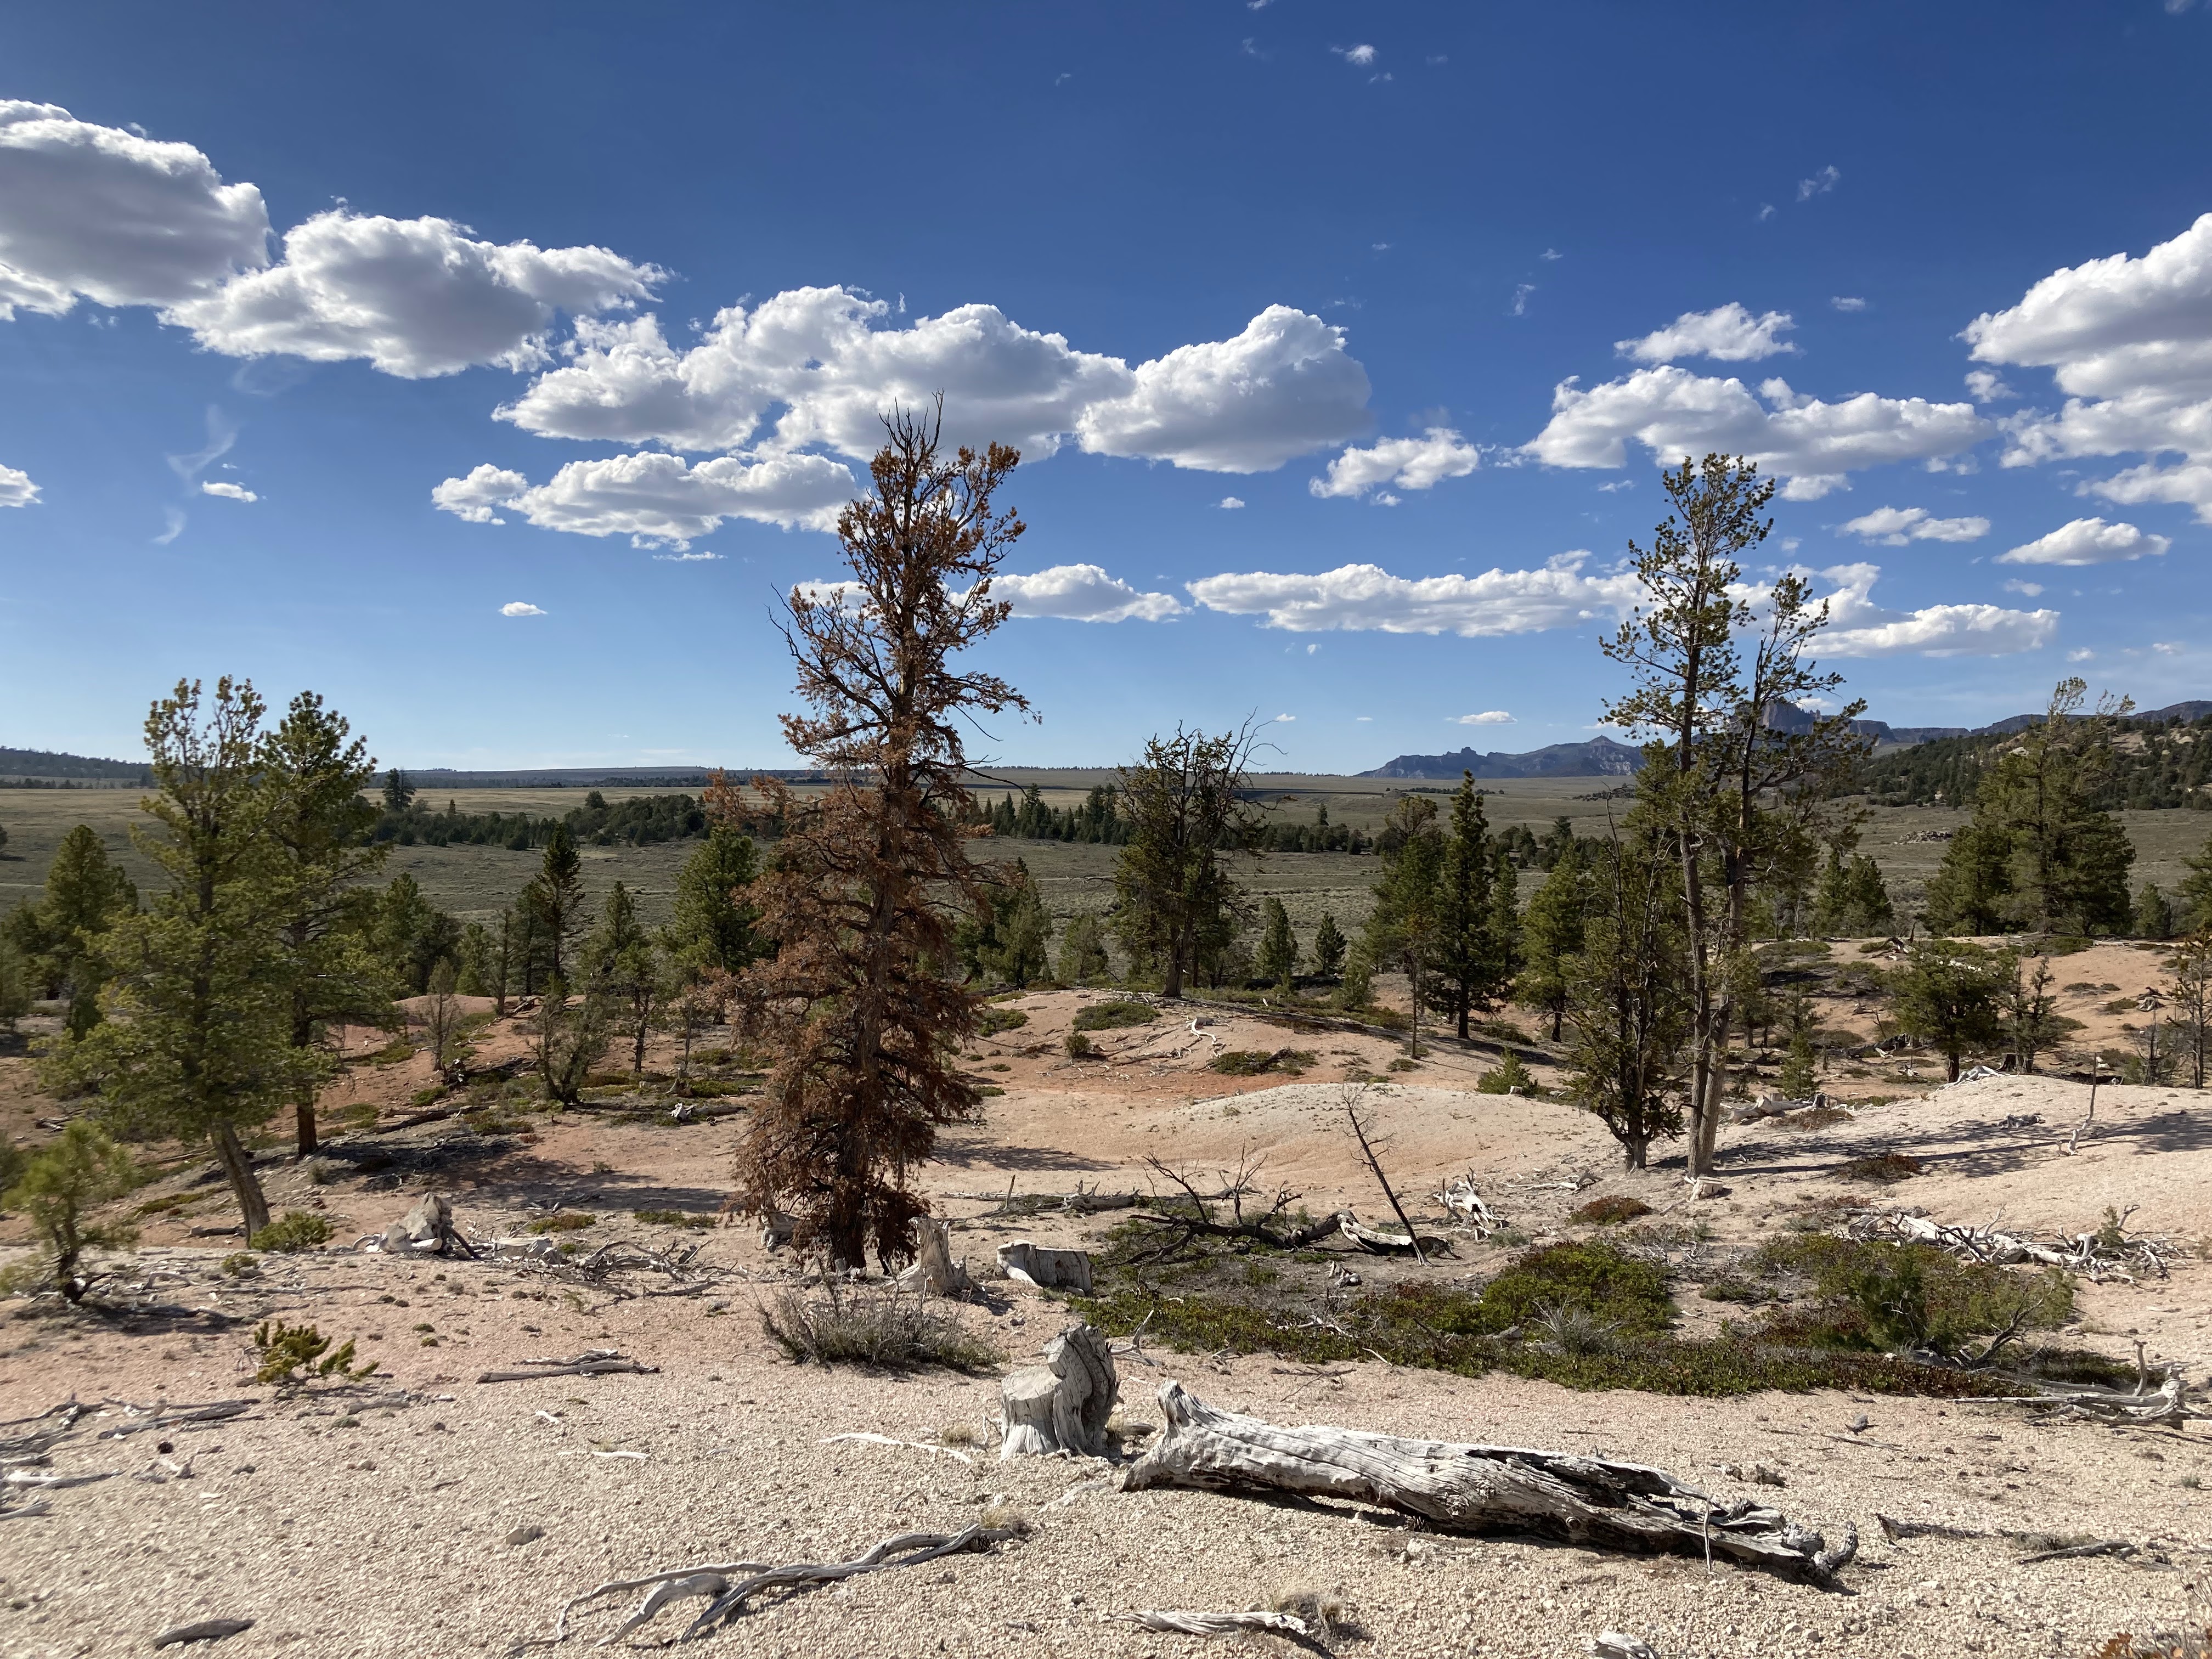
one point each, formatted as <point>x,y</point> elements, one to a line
<point>245,1186</point>
<point>303,1124</point>
<point>1474,1488</point>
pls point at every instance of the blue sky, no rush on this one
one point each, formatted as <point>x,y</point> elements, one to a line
<point>498,308</point>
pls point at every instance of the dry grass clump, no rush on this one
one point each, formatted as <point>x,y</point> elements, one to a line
<point>1323,1610</point>
<point>1005,1517</point>
<point>1813,1117</point>
<point>884,1328</point>
<point>294,1231</point>
<point>1882,1167</point>
<point>563,1221</point>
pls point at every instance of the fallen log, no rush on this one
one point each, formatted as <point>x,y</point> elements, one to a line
<point>592,1362</point>
<point>1378,1243</point>
<point>1044,1267</point>
<point>203,1629</point>
<point>1591,1502</point>
<point>1208,1623</point>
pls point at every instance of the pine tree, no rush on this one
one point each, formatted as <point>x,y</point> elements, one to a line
<point>411,936</point>
<point>1328,947</point>
<point>1277,959</point>
<point>1799,1080</point>
<point>398,793</point>
<point>1628,1011</point>
<point>857,1004</point>
<point>321,825</point>
<point>201,1047</point>
<point>2195,893</point>
<point>1951,993</point>
<point>1024,938</point>
<point>1083,951</point>
<point>2029,1011</point>
<point>622,971</point>
<point>58,1186</point>
<point>2153,916</point>
<point>2189,1004</point>
<point>1174,902</point>
<point>1405,930</point>
<point>1552,935</point>
<point>1969,892</point>
<point>712,927</point>
<point>557,895</point>
<point>60,933</point>
<point>1466,965</point>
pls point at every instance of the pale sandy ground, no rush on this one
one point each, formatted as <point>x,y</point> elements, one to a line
<point>387,1537</point>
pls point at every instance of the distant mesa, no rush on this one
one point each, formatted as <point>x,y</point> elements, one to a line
<point>1599,757</point>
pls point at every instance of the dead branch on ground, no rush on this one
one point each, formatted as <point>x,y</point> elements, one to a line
<point>1352,1094</point>
<point>1194,1218</point>
<point>592,1362</point>
<point>1592,1502</point>
<point>2109,1251</point>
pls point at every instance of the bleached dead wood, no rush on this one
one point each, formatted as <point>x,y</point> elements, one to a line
<point>2168,1404</point>
<point>913,1445</point>
<point>2095,1254</point>
<point>1592,1502</point>
<point>1461,1197</point>
<point>592,1362</point>
<point>1378,1243</point>
<point>705,1111</point>
<point>934,1270</point>
<point>1618,1644</point>
<point>163,1417</point>
<point>1208,1623</point>
<point>427,1230</point>
<point>677,1584</point>
<point>202,1630</point>
<point>1047,1268</point>
<point>1063,1405</point>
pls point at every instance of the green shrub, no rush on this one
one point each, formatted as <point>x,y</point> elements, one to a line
<point>1612,1210</point>
<point>561,1221</point>
<point>1599,1279</point>
<point>1080,1047</point>
<point>294,1354</point>
<point>294,1231</point>
<point>990,1019</point>
<point>673,1218</point>
<point>1873,1295</point>
<point>1113,1016</point>
<point>239,1264</point>
<point>1252,1062</point>
<point>1505,1077</point>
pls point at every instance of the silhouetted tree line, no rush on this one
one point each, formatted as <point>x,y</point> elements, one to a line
<point>640,821</point>
<point>2149,767</point>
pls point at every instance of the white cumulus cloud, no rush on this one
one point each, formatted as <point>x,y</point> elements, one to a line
<point>2087,541</point>
<point>1229,503</point>
<point>1488,717</point>
<point>229,492</point>
<point>1847,302</point>
<point>124,220</point>
<point>1857,627</point>
<point>2129,341</point>
<point>1408,463</point>
<point>1893,526</point>
<point>1727,333</point>
<point>1811,444</point>
<point>1083,592</point>
<point>1283,386</point>
<point>2029,589</point>
<point>17,488</point>
<point>657,499</point>
<point>1366,597</point>
<point>519,607</point>
<point>116,218</point>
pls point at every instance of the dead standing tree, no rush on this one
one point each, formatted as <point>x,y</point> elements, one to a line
<point>859,900</point>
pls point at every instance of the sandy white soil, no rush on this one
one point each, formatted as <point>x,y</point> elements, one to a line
<point>374,1523</point>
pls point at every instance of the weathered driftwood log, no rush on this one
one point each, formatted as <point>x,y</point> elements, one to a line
<point>427,1228</point>
<point>1064,1404</point>
<point>1035,1264</point>
<point>592,1362</point>
<point>776,1229</point>
<point>705,1111</point>
<point>1592,1502</point>
<point>2167,1404</point>
<point>1464,1200</point>
<point>1378,1243</point>
<point>1209,1624</point>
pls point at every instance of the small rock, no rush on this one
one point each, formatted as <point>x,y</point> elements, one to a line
<point>525,1535</point>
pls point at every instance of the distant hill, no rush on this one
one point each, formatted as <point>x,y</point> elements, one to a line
<point>46,764</point>
<point>1599,757</point>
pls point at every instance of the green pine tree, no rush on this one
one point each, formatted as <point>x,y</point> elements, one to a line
<point>1406,927</point>
<point>1552,935</point>
<point>712,927</point>
<point>2195,893</point>
<point>60,933</point>
<point>1083,958</point>
<point>622,971</point>
<point>2153,916</point>
<point>1328,947</point>
<point>1277,959</point>
<point>1952,995</point>
<point>1464,960</point>
<point>411,936</point>
<point>201,1046</point>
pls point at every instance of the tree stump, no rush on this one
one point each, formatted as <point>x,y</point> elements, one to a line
<point>934,1270</point>
<point>1064,1404</point>
<point>1592,1502</point>
<point>1035,1264</point>
<point>427,1228</point>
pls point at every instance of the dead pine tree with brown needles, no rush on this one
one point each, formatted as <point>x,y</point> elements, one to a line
<point>870,876</point>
